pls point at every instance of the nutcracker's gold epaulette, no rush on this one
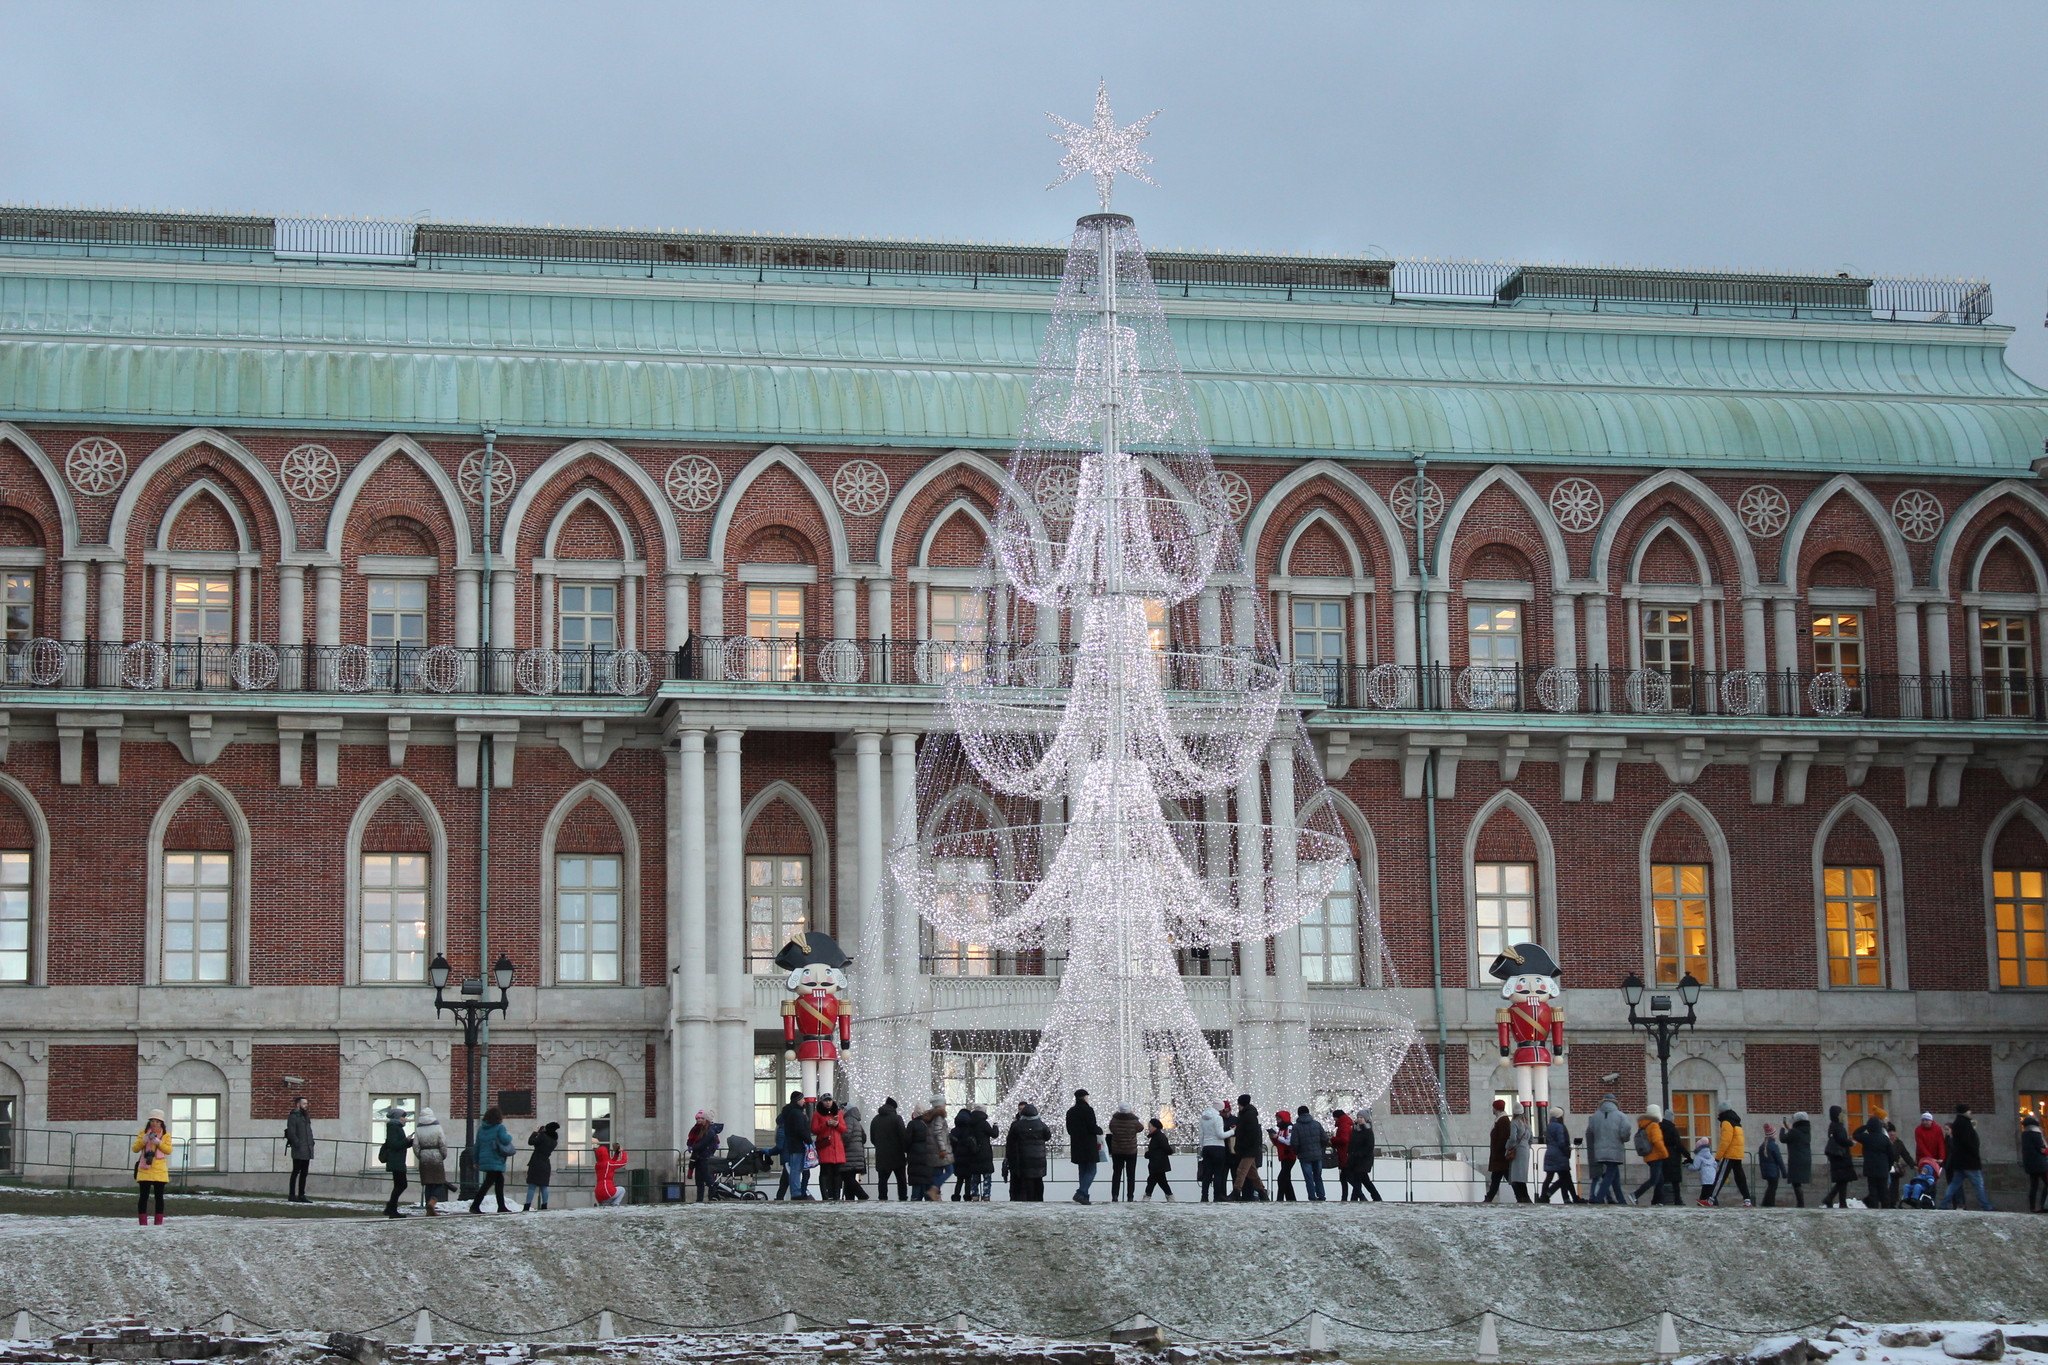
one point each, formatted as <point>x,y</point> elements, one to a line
<point>1500,1016</point>
<point>789,1007</point>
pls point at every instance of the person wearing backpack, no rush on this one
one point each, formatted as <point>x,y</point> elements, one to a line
<point>1649,1145</point>
<point>494,1145</point>
<point>1770,1164</point>
<point>394,1153</point>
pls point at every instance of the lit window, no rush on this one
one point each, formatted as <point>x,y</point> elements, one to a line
<point>1854,940</point>
<point>1504,904</point>
<point>14,925</point>
<point>586,918</point>
<point>1838,648</point>
<point>1861,1106</point>
<point>1494,632</point>
<point>1158,635</point>
<point>2034,1102</point>
<point>2008,665</point>
<point>2022,925</point>
<point>1329,936</point>
<point>196,892</point>
<point>957,618</point>
<point>195,1132</point>
<point>588,1126</point>
<point>1678,912</point>
<point>398,611</point>
<point>1318,645</point>
<point>1667,649</point>
<point>778,903</point>
<point>775,614</point>
<point>965,887</point>
<point>971,1077</point>
<point>394,917</point>
<point>18,607</point>
<point>202,610</point>
<point>1693,1112</point>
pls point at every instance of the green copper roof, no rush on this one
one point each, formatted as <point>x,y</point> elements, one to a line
<point>331,346</point>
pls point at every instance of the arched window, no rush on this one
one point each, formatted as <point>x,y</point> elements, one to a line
<point>198,889</point>
<point>1511,882</point>
<point>590,875</point>
<point>24,885</point>
<point>397,886</point>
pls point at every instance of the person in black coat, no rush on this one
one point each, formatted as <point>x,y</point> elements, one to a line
<point>1965,1160</point>
<point>1084,1143</point>
<point>1674,1157</point>
<point>974,1155</point>
<point>919,1157</point>
<point>1799,1156</point>
<point>885,1137</point>
<point>1877,1162</point>
<point>1841,1162</point>
<point>1026,1155</point>
<point>1158,1158</point>
<point>1359,1155</point>
<point>540,1167</point>
<point>2034,1161</point>
<point>1247,1150</point>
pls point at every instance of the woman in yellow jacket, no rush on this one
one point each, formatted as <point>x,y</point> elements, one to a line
<point>152,1148</point>
<point>1728,1155</point>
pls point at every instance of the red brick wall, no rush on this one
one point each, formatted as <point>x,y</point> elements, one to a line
<point>1591,1061</point>
<point>1782,1078</point>
<point>92,1082</point>
<point>511,1068</point>
<point>958,544</point>
<point>1319,553</point>
<point>1952,1074</point>
<point>204,525</point>
<point>588,534</point>
<point>317,1065</point>
<point>1414,1090</point>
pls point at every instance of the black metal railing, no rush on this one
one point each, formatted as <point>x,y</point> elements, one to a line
<point>180,666</point>
<point>1892,298</point>
<point>1700,692</point>
<point>1015,663</point>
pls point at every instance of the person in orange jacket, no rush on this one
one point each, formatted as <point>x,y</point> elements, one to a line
<point>1729,1153</point>
<point>610,1158</point>
<point>1650,1147</point>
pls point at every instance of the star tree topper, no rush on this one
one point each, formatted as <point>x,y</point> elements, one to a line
<point>1103,149</point>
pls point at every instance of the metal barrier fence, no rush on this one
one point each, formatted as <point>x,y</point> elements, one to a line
<point>1824,695</point>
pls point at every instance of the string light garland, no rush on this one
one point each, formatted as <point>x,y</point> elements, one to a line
<point>1127,799</point>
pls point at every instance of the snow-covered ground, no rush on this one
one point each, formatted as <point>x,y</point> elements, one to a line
<point>1898,1343</point>
<point>1383,1273</point>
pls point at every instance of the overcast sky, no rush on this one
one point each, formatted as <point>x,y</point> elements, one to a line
<point>1880,138</point>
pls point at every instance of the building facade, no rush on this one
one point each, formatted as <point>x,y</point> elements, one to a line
<point>344,563</point>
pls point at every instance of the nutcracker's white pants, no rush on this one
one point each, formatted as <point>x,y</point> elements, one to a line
<point>1532,1084</point>
<point>817,1077</point>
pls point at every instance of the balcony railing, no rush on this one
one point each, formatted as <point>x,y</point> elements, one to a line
<point>1011,663</point>
<point>1699,692</point>
<point>423,670</point>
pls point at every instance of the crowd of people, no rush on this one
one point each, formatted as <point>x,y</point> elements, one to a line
<point>1937,1165</point>
<point>924,1151</point>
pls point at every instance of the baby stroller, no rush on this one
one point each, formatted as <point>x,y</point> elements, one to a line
<point>732,1175</point>
<point>1920,1188</point>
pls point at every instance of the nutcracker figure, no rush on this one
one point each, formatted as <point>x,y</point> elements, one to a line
<point>817,1024</point>
<point>1531,1028</point>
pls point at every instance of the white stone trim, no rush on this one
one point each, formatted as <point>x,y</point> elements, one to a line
<point>1892,894</point>
<point>1731,525</point>
<point>38,885</point>
<point>1896,549</point>
<point>352,487</point>
<point>1546,880</point>
<point>2039,819</point>
<point>1720,889</point>
<point>828,506</point>
<point>821,849</point>
<point>776,573</point>
<point>1539,509</point>
<point>393,788</point>
<point>230,449</point>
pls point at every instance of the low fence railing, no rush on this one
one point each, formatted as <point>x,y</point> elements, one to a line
<point>185,666</point>
<point>1528,688</point>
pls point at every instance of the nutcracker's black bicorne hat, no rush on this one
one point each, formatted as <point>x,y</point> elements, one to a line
<point>805,949</point>
<point>1524,959</point>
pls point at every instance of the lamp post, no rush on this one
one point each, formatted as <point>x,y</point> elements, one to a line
<point>1660,1023</point>
<point>473,1010</point>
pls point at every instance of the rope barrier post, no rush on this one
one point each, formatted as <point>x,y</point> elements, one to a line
<point>227,1324</point>
<point>1667,1337</point>
<point>22,1326</point>
<point>1318,1335</point>
<point>1489,1339</point>
<point>959,1322</point>
<point>605,1330</point>
<point>789,1322</point>
<point>423,1328</point>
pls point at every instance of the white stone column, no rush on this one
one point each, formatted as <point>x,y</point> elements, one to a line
<point>1785,645</point>
<point>504,609</point>
<point>245,600</point>
<point>1244,625</point>
<point>1287,944</point>
<point>902,821</point>
<point>1597,653</point>
<point>1283,625</point>
<point>1048,625</point>
<point>113,615</point>
<point>327,605</point>
<point>291,625</point>
<point>1404,627</point>
<point>1564,631</point>
<point>161,605</point>
<point>1906,621</point>
<point>735,985</point>
<point>468,604</point>
<point>1973,657</point>
<point>1209,619</point>
<point>845,608</point>
<point>629,612</point>
<point>923,599</point>
<point>697,1085</point>
<point>1440,626</point>
<point>1755,657</point>
<point>1361,639</point>
<point>71,601</point>
<point>711,605</point>
<point>870,814</point>
<point>675,610</point>
<point>1940,659</point>
<point>1251,1036</point>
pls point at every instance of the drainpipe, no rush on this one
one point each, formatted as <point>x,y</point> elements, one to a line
<point>1436,916</point>
<point>484,775</point>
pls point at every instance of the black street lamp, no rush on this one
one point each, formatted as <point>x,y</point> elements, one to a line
<point>473,1010</point>
<point>1660,1023</point>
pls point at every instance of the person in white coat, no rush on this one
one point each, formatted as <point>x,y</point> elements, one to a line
<point>1212,1166</point>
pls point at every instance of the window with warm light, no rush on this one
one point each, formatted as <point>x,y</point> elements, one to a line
<point>1504,909</point>
<point>202,609</point>
<point>2007,657</point>
<point>1678,919</point>
<point>1692,1112</point>
<point>1855,938</point>
<point>196,923</point>
<point>775,614</point>
<point>1668,649</point>
<point>587,919</point>
<point>1493,633</point>
<point>2020,923</point>
<point>1861,1105</point>
<point>1838,648</point>
<point>394,917</point>
<point>18,607</point>
<point>778,907</point>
